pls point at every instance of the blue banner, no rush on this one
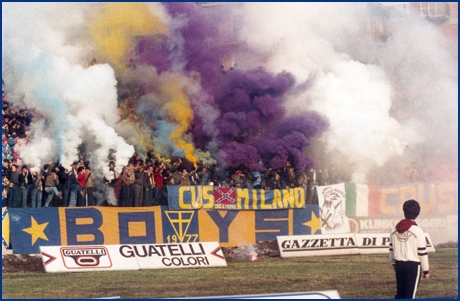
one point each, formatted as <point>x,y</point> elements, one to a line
<point>34,227</point>
<point>230,198</point>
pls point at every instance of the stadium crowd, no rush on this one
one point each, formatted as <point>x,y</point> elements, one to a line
<point>142,182</point>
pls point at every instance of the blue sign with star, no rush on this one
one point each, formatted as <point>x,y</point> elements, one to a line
<point>33,228</point>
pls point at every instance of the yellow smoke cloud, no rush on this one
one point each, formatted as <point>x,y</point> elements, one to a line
<point>114,27</point>
<point>179,111</point>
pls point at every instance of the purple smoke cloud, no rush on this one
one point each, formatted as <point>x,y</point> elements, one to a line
<point>250,122</point>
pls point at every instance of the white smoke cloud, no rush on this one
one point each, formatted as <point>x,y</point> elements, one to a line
<point>43,57</point>
<point>352,81</point>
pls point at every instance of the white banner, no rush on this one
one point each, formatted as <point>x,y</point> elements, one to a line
<point>131,257</point>
<point>337,244</point>
<point>331,200</point>
<point>317,245</point>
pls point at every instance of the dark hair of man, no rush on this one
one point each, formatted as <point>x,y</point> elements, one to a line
<point>411,209</point>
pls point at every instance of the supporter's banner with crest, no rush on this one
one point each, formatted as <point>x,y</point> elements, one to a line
<point>331,200</point>
<point>213,198</point>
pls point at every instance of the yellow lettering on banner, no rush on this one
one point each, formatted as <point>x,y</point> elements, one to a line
<point>262,201</point>
<point>383,206</point>
<point>288,198</point>
<point>63,224</point>
<point>300,197</point>
<point>208,197</point>
<point>84,221</point>
<point>431,206</point>
<point>240,232</point>
<point>197,200</point>
<point>182,190</point>
<point>85,237</point>
<point>110,224</point>
<point>137,229</point>
<point>254,199</point>
<point>442,189</point>
<point>242,195</point>
<point>277,202</point>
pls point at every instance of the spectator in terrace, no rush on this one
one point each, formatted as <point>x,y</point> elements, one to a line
<point>138,186</point>
<point>130,178</point>
<point>63,185</point>
<point>238,179</point>
<point>5,189</point>
<point>149,186</point>
<point>311,183</point>
<point>322,177</point>
<point>272,180</point>
<point>291,178</point>
<point>204,176</point>
<point>6,167</point>
<point>51,183</point>
<point>194,178</point>
<point>5,130</point>
<point>73,185</point>
<point>36,195</point>
<point>81,176</point>
<point>185,177</point>
<point>89,185</point>
<point>175,177</point>
<point>7,152</point>
<point>283,173</point>
<point>26,183</point>
<point>124,196</point>
<point>5,127</point>
<point>257,180</point>
<point>311,174</point>
<point>14,193</point>
<point>12,140</point>
<point>247,180</point>
<point>44,173</point>
<point>302,179</point>
<point>111,182</point>
<point>168,178</point>
<point>157,175</point>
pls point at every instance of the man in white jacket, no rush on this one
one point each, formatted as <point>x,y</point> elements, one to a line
<point>408,252</point>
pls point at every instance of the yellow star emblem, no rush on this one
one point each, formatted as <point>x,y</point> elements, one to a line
<point>36,230</point>
<point>314,223</point>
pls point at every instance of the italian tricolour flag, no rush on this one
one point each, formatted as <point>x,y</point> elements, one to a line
<point>362,200</point>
